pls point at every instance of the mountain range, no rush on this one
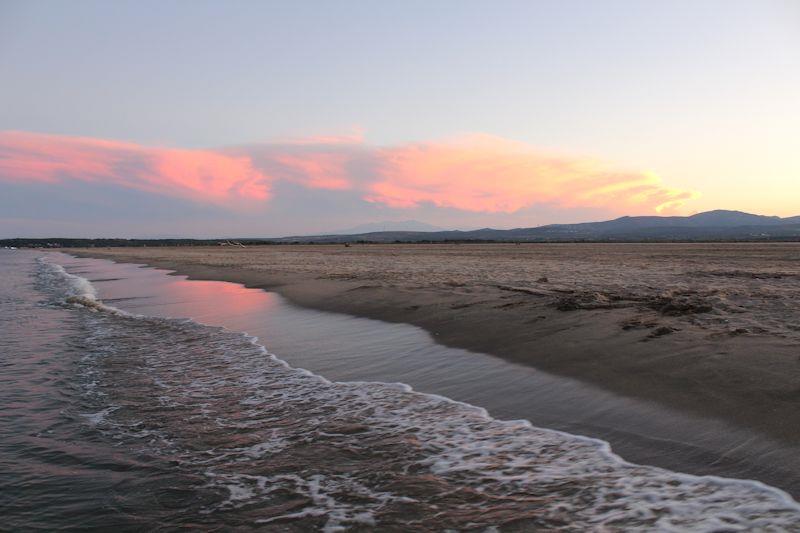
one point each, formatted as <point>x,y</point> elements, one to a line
<point>707,226</point>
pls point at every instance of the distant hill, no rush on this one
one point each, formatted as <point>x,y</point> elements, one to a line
<point>388,225</point>
<point>717,225</point>
<point>702,227</point>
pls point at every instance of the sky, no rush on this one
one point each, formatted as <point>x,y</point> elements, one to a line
<point>211,119</point>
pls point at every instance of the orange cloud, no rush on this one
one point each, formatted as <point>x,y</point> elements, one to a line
<point>478,173</point>
<point>491,174</point>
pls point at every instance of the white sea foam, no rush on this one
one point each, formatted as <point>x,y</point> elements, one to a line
<point>100,416</point>
<point>70,289</point>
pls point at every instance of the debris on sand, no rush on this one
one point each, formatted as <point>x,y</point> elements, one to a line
<point>744,274</point>
<point>661,331</point>
<point>639,323</point>
<point>680,305</point>
<point>592,300</point>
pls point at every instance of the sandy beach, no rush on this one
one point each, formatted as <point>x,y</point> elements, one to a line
<point>713,329</point>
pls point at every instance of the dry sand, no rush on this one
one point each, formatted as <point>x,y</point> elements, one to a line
<point>712,329</point>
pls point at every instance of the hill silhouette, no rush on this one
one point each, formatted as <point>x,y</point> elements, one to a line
<point>719,225</point>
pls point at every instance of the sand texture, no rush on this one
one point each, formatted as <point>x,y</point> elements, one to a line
<point>709,328</point>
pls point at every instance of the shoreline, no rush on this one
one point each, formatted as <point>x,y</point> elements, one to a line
<point>587,344</point>
<point>246,425</point>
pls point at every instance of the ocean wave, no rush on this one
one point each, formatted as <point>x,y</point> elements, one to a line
<point>284,445</point>
<point>69,289</point>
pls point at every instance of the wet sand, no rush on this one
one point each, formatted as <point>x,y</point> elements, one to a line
<point>713,330</point>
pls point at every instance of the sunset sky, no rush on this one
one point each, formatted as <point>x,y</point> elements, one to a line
<point>194,118</point>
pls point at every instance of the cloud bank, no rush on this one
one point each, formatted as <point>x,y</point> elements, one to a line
<point>474,173</point>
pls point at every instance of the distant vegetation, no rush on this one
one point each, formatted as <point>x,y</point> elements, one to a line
<point>59,242</point>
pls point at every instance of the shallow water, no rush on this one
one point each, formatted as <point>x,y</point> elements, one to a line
<point>118,415</point>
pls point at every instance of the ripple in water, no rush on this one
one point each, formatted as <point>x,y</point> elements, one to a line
<point>266,444</point>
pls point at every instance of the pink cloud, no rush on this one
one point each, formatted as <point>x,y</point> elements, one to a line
<point>476,173</point>
<point>35,157</point>
<point>355,136</point>
<point>201,175</point>
<point>315,170</point>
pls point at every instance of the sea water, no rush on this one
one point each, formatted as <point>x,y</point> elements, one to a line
<point>118,417</point>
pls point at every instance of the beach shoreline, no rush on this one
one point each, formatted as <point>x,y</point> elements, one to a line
<point>692,351</point>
